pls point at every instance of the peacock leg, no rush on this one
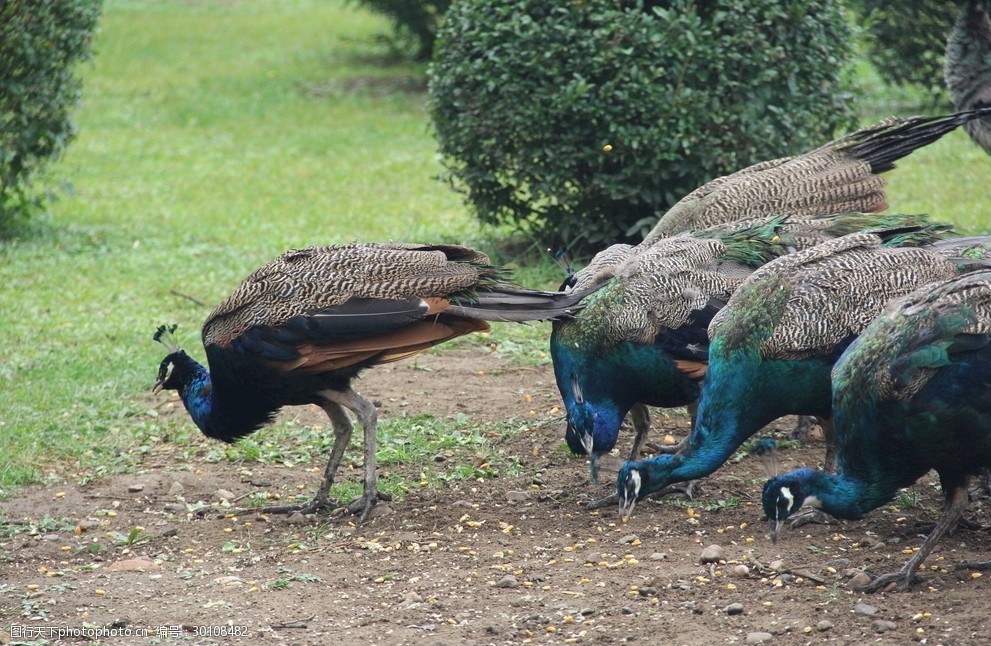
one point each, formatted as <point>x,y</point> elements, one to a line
<point>829,437</point>
<point>953,508</point>
<point>802,428</point>
<point>641,425</point>
<point>342,435</point>
<point>368,418</point>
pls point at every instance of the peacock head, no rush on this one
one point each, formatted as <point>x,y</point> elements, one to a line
<point>783,496</point>
<point>636,480</point>
<point>177,369</point>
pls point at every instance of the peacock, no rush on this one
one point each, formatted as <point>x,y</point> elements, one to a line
<point>910,394</point>
<point>301,328</point>
<point>641,338</point>
<point>839,176</point>
<point>842,175</point>
<point>967,67</point>
<point>771,348</point>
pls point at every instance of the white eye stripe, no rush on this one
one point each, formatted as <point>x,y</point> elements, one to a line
<point>635,478</point>
<point>787,495</point>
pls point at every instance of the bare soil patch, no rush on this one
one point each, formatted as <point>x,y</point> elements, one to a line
<point>507,560</point>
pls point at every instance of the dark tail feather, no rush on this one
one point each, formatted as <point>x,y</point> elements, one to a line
<point>521,305</point>
<point>884,144</point>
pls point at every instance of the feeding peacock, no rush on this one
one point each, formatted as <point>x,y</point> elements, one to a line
<point>301,328</point>
<point>837,177</point>
<point>642,339</point>
<point>772,347</point>
<point>967,67</point>
<point>910,394</point>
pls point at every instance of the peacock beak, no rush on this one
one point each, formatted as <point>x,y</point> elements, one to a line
<point>775,527</point>
<point>626,509</point>
<point>157,387</point>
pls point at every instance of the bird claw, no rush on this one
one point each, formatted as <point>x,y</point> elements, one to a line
<point>364,504</point>
<point>600,503</point>
<point>809,517</point>
<point>899,581</point>
<point>315,505</point>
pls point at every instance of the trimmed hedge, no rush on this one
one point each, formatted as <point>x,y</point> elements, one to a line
<point>41,41</point>
<point>584,121</point>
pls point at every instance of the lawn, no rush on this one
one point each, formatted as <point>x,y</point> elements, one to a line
<point>213,136</point>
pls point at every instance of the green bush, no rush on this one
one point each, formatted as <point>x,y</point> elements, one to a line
<point>41,41</point>
<point>906,41</point>
<point>414,20</point>
<point>584,121</point>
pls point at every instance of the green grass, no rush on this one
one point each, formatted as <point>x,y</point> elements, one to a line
<point>213,136</point>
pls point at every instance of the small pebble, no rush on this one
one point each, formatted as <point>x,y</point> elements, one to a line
<point>223,494</point>
<point>759,638</point>
<point>585,612</point>
<point>626,610</point>
<point>865,609</point>
<point>858,580</point>
<point>176,489</point>
<point>508,581</point>
<point>626,540</point>
<point>739,571</point>
<point>776,565</point>
<point>824,625</point>
<point>134,488</point>
<point>168,532</point>
<point>517,496</point>
<point>712,554</point>
<point>883,626</point>
<point>296,518</point>
<point>734,609</point>
<point>658,556</point>
<point>411,600</point>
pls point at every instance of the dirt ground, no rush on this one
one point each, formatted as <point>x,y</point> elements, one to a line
<point>504,561</point>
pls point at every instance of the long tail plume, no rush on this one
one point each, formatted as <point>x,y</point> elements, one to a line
<point>888,141</point>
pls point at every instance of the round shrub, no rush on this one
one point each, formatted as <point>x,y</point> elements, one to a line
<point>583,121</point>
<point>41,41</point>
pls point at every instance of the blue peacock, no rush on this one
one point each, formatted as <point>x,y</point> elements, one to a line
<point>773,345</point>
<point>301,328</point>
<point>911,394</point>
<point>596,364</point>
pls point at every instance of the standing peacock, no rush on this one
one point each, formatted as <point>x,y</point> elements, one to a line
<point>909,395</point>
<point>840,176</point>
<point>772,347</point>
<point>301,328</point>
<point>642,339</point>
<point>967,68</point>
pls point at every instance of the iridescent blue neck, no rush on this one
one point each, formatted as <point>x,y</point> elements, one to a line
<point>197,395</point>
<point>842,496</point>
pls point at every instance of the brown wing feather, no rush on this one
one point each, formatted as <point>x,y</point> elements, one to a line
<point>383,348</point>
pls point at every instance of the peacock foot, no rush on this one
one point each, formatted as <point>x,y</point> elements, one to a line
<point>973,565</point>
<point>894,582</point>
<point>686,489</point>
<point>315,505</point>
<point>363,504</point>
<point>809,517</point>
<point>663,449</point>
<point>963,523</point>
<point>589,504</point>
